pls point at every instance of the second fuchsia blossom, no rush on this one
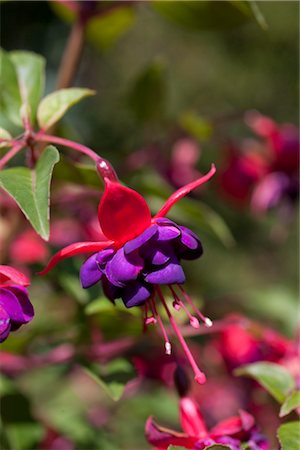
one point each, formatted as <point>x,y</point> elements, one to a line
<point>237,432</point>
<point>15,306</point>
<point>140,255</point>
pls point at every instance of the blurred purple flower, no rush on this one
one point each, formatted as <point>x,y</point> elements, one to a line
<point>15,306</point>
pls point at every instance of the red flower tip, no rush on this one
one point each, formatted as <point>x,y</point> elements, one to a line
<point>184,191</point>
<point>123,213</point>
<point>75,249</point>
<point>9,276</point>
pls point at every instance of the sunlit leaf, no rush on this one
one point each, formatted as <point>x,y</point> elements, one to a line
<point>31,189</point>
<point>290,404</point>
<point>273,377</point>
<point>55,105</point>
<point>289,436</point>
<point>30,69</point>
<point>5,135</point>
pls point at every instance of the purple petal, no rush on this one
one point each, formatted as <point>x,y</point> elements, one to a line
<point>157,254</point>
<point>110,290</point>
<point>11,304</point>
<point>22,295</point>
<point>104,256</point>
<point>164,221</point>
<point>171,273</point>
<point>190,246</point>
<point>136,243</point>
<point>135,293</point>
<point>90,272</point>
<point>4,324</point>
<point>166,233</point>
<point>122,268</point>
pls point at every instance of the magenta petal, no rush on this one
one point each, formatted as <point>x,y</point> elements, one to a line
<point>122,268</point>
<point>4,324</point>
<point>166,233</point>
<point>135,293</point>
<point>90,272</point>
<point>22,296</point>
<point>136,243</point>
<point>11,304</point>
<point>170,274</point>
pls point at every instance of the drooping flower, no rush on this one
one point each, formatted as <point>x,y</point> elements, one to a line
<point>15,306</point>
<point>141,254</point>
<point>234,432</point>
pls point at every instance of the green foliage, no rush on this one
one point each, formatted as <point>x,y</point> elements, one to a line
<point>289,436</point>
<point>68,171</point>
<point>205,15</point>
<point>31,189</point>
<point>112,377</point>
<point>290,404</point>
<point>56,104</point>
<point>217,447</point>
<point>273,377</point>
<point>10,98</point>
<point>4,134</point>
<point>30,70</point>
<point>147,98</point>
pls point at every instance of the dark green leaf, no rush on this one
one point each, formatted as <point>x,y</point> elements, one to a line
<point>112,377</point>
<point>31,189</point>
<point>274,378</point>
<point>204,15</point>
<point>56,104</point>
<point>10,99</point>
<point>289,436</point>
<point>30,69</point>
<point>148,94</point>
<point>290,404</point>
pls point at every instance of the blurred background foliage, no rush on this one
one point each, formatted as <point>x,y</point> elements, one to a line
<point>160,74</point>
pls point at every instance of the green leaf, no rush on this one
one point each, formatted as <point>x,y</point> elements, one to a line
<point>289,436</point>
<point>106,30</point>
<point>10,99</point>
<point>30,69</point>
<point>31,189</point>
<point>24,436</point>
<point>204,15</point>
<point>55,105</point>
<point>291,403</point>
<point>148,94</point>
<point>274,378</point>
<point>112,377</point>
<point>196,125</point>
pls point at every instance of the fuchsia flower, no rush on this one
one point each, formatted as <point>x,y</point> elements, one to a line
<point>140,254</point>
<point>15,306</point>
<point>234,432</point>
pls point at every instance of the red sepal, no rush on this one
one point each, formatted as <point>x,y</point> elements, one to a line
<point>123,213</point>
<point>163,437</point>
<point>184,191</point>
<point>9,276</point>
<point>75,249</point>
<point>234,425</point>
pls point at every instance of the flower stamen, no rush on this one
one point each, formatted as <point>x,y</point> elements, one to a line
<point>168,346</point>
<point>207,321</point>
<point>199,375</point>
<point>177,302</point>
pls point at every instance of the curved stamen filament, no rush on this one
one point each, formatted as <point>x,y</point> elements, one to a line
<point>168,346</point>
<point>199,375</point>
<point>206,320</point>
<point>193,320</point>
